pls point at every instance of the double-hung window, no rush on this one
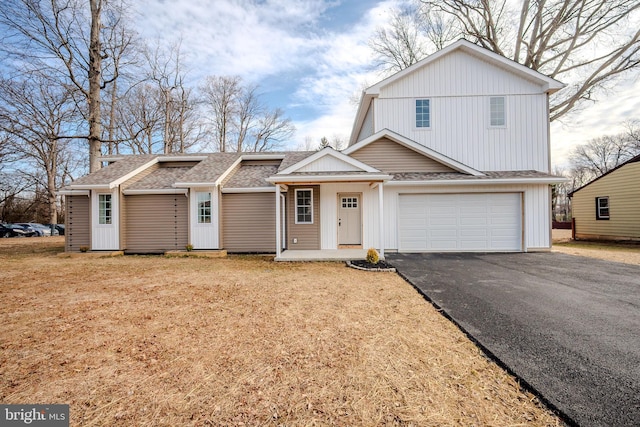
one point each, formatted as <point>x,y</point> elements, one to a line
<point>104,209</point>
<point>304,206</point>
<point>602,207</point>
<point>423,113</point>
<point>204,207</point>
<point>497,111</point>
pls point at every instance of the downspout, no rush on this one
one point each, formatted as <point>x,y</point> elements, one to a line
<point>381,217</point>
<point>278,242</point>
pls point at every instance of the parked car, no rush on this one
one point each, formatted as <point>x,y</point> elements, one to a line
<point>58,229</point>
<point>40,229</point>
<point>15,230</point>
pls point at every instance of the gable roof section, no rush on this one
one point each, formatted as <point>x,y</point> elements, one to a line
<point>547,84</point>
<point>328,165</point>
<point>631,160</point>
<point>116,173</point>
<point>418,148</point>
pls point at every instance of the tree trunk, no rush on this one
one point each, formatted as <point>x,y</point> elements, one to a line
<point>95,67</point>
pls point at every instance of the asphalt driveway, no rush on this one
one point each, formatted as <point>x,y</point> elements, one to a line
<point>569,326</point>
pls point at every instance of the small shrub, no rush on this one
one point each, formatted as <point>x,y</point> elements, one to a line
<point>189,247</point>
<point>84,248</point>
<point>372,256</point>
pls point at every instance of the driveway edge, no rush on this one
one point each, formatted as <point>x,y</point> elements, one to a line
<point>489,354</point>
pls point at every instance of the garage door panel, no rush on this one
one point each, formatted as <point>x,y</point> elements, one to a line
<point>460,222</point>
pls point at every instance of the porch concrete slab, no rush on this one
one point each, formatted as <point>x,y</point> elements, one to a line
<point>323,255</point>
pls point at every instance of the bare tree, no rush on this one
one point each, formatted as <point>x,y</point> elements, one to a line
<point>62,39</point>
<point>221,95</point>
<point>588,43</point>
<point>34,115</point>
<point>600,155</point>
<point>239,119</point>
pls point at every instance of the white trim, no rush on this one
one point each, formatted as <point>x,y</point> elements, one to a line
<point>72,192</point>
<point>90,187</point>
<point>263,156</point>
<point>250,190</point>
<point>328,151</point>
<point>478,182</point>
<point>504,112</point>
<point>158,191</point>
<point>278,222</point>
<point>419,148</point>
<point>295,206</point>
<point>182,158</point>
<point>327,178</point>
<point>415,114</point>
<point>133,173</point>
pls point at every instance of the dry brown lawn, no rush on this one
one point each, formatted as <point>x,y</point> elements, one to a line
<point>154,341</point>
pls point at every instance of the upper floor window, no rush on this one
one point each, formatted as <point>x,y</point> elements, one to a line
<point>602,207</point>
<point>304,206</point>
<point>204,207</point>
<point>423,113</point>
<point>497,111</point>
<point>104,209</point>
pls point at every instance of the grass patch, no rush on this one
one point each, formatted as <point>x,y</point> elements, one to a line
<point>154,341</point>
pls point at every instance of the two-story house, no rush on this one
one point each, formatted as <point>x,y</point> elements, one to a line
<point>450,154</point>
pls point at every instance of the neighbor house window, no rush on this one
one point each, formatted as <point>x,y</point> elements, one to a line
<point>423,113</point>
<point>104,209</point>
<point>204,207</point>
<point>496,107</point>
<point>304,206</point>
<point>602,208</point>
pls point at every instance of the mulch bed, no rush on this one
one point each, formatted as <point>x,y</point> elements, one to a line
<point>364,265</point>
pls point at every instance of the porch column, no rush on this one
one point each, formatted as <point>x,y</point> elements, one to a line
<point>381,217</point>
<point>278,219</point>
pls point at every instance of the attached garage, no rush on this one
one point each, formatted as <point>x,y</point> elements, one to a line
<point>469,222</point>
<point>156,223</point>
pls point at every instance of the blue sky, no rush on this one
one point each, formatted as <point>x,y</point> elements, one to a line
<point>310,57</point>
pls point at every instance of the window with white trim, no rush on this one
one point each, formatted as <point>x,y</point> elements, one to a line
<point>349,202</point>
<point>497,111</point>
<point>104,209</point>
<point>423,113</point>
<point>602,207</point>
<point>203,198</point>
<point>304,206</point>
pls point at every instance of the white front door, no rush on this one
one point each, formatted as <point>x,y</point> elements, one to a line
<point>349,219</point>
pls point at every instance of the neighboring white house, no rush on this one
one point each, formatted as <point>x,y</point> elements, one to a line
<point>450,154</point>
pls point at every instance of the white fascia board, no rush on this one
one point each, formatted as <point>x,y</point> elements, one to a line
<point>73,192</point>
<point>497,181</point>
<point>250,190</point>
<point>90,186</point>
<point>133,173</point>
<point>328,151</point>
<point>254,156</point>
<point>549,84</point>
<point>193,184</point>
<point>328,178</point>
<point>228,171</point>
<point>366,100</point>
<point>158,191</point>
<point>182,158</point>
<point>419,148</point>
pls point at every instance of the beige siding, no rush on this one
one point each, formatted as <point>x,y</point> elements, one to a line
<point>123,220</point>
<point>156,223</point>
<point>389,156</point>
<point>249,222</point>
<point>306,235</point>
<point>623,189</point>
<point>78,223</point>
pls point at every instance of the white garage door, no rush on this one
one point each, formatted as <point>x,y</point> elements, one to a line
<point>460,222</point>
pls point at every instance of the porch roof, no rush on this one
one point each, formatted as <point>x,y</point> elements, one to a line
<point>329,176</point>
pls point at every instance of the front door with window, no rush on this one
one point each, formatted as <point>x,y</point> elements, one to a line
<point>349,219</point>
